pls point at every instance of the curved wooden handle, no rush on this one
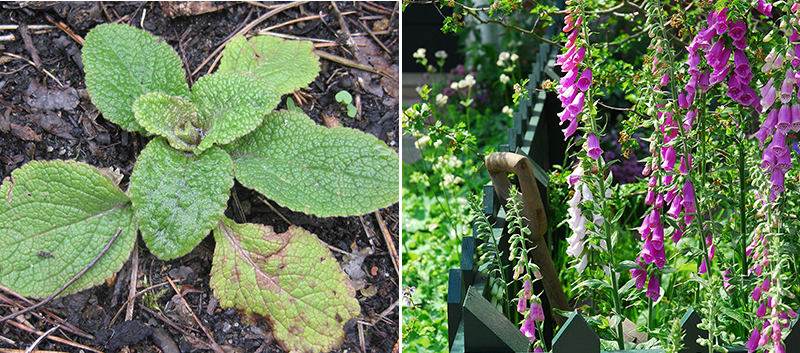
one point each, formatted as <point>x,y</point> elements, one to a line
<point>499,165</point>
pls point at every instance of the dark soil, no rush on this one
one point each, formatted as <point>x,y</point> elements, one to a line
<point>65,125</point>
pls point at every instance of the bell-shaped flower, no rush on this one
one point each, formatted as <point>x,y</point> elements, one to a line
<point>653,288</point>
<point>571,128</point>
<point>585,80</point>
<point>587,194</point>
<point>650,197</point>
<point>703,267</point>
<point>737,30</point>
<point>593,147</point>
<point>654,219</point>
<point>768,160</point>
<point>784,162</point>
<point>741,64</point>
<point>676,235</point>
<point>575,177</point>
<point>776,179</point>
<point>537,313</point>
<point>529,329</point>
<point>734,88</point>
<point>527,289</point>
<point>684,167</point>
<point>664,79</point>
<point>675,207</point>
<point>765,8</point>
<point>786,92</point>
<point>688,119</point>
<point>569,78</point>
<point>688,195</point>
<point>640,274</point>
<point>752,343</point>
<point>719,74</point>
<point>795,110</point>
<point>702,82</point>
<point>714,54</point>
<point>577,104</point>
<point>522,305</point>
<point>583,263</point>
<point>778,144</point>
<point>694,61</point>
<point>749,96</point>
<point>669,158</point>
<point>740,43</point>
<point>659,201</point>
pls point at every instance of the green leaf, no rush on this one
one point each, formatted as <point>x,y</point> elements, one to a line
<point>172,117</point>
<point>351,110</point>
<point>286,65</point>
<point>290,278</point>
<point>122,63</point>
<point>55,218</point>
<point>318,170</point>
<point>232,105</point>
<point>593,284</point>
<point>344,97</point>
<point>177,197</point>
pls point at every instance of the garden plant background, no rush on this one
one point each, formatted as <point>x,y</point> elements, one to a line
<point>688,110</point>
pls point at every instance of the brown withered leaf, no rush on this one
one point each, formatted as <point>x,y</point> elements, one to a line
<point>52,123</point>
<point>24,133</point>
<point>40,98</point>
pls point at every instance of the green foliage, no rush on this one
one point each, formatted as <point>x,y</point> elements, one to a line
<point>55,218</point>
<point>290,278</point>
<point>180,185</point>
<point>345,98</point>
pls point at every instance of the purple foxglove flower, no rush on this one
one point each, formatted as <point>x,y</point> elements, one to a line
<point>648,251</point>
<point>796,60</point>
<point>650,197</point>
<point>653,289</point>
<point>765,285</point>
<point>693,60</point>
<point>740,43</point>
<point>664,79</point>
<point>527,289</point>
<point>538,349</point>
<point>644,229</point>
<point>675,207</point>
<point>683,168</point>
<point>726,277</point>
<point>537,313</point>
<point>669,158</point>
<point>571,39</point>
<point>756,293</point>
<point>561,59</point>
<point>778,344</point>
<point>571,128</point>
<point>734,88</point>
<point>666,180</point>
<point>711,19</point>
<point>688,120</point>
<point>768,159</point>
<point>784,162</point>
<point>652,182</point>
<point>752,343</point>
<point>702,83</point>
<point>577,104</point>
<point>749,96</point>
<point>585,80</point>
<point>659,201</point>
<point>795,110</point>
<point>688,195</point>
<point>593,147</point>
<point>682,101</point>
<point>568,95</point>
<point>719,74</point>
<point>778,61</point>
<point>522,305</point>
<point>786,92</point>
<point>660,257</point>
<point>569,78</point>
<point>765,8</point>
<point>777,181</point>
<point>741,64</point>
<point>658,237</point>
<point>703,267</point>
<point>529,329</point>
<point>784,119</point>
<point>762,134</point>
<point>640,274</point>
<point>714,54</point>
<point>711,251</point>
<point>676,235</point>
<point>705,34</point>
<point>577,58</point>
<point>565,115</point>
<point>765,336</point>
<point>737,30</point>
<point>654,219</point>
<point>671,195</point>
<point>762,311</point>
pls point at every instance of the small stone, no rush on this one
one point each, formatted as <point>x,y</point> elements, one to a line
<point>50,148</point>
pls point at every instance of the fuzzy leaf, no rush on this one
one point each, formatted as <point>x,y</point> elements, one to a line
<point>55,218</point>
<point>123,63</point>
<point>287,65</point>
<point>313,169</point>
<point>172,117</point>
<point>290,278</point>
<point>178,197</point>
<point>231,105</point>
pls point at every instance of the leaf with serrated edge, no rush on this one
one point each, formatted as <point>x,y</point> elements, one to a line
<point>317,170</point>
<point>122,63</point>
<point>232,105</point>
<point>288,65</point>
<point>178,197</point>
<point>172,117</point>
<point>55,218</point>
<point>290,278</point>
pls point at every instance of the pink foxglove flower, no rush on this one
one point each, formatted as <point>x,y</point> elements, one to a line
<point>537,313</point>
<point>585,80</point>
<point>593,147</point>
<point>529,329</point>
<point>653,289</point>
<point>522,305</point>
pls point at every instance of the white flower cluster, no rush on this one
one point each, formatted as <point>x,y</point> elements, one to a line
<point>441,99</point>
<point>578,223</point>
<point>419,54</point>
<point>508,111</point>
<point>501,59</point>
<point>467,82</point>
<point>441,55</point>
<point>504,78</point>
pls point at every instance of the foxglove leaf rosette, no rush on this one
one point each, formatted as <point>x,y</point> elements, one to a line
<point>314,169</point>
<point>123,63</point>
<point>55,218</point>
<point>290,278</point>
<point>179,197</point>
<point>284,65</point>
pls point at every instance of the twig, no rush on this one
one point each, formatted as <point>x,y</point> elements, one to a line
<point>361,336</point>
<point>383,314</point>
<point>368,7</point>
<point>9,350</point>
<point>42,337</point>
<point>389,242</point>
<point>169,322</point>
<point>31,27</point>
<point>134,276</point>
<point>273,209</point>
<point>52,338</point>
<point>130,300</point>
<point>26,39</point>
<point>8,38</point>
<point>216,347</point>
<point>351,63</point>
<point>302,19</point>
<point>8,340</point>
<point>53,319</point>
<point>66,30</point>
<point>71,281</point>
<point>289,36</point>
<point>375,38</point>
<point>367,232</point>
<point>31,62</point>
<point>348,39</point>
<point>244,30</point>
